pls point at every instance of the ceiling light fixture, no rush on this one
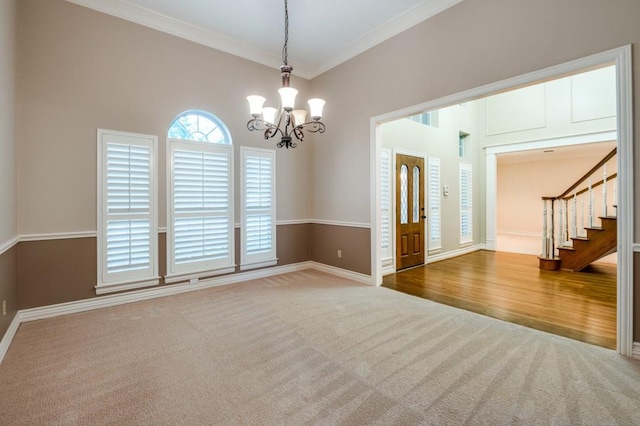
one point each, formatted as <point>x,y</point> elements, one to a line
<point>285,120</point>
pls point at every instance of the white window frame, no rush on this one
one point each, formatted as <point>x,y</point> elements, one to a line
<point>466,171</point>
<point>196,270</point>
<point>266,257</point>
<point>434,209</point>
<point>126,280</point>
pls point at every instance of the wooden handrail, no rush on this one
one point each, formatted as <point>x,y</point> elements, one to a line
<point>595,185</point>
<point>589,173</point>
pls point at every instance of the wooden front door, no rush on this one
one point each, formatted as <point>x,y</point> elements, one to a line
<point>409,211</point>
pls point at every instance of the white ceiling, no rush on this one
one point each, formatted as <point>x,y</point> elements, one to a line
<point>322,33</point>
<point>593,150</point>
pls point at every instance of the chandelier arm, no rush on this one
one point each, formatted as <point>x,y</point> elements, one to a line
<point>270,130</point>
<point>314,126</point>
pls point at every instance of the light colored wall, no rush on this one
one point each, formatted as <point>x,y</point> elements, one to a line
<point>442,142</point>
<point>80,70</point>
<point>521,185</point>
<point>580,104</point>
<point>8,226</point>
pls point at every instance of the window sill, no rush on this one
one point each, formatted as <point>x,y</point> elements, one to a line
<point>115,287</point>
<point>175,278</point>
<point>256,265</point>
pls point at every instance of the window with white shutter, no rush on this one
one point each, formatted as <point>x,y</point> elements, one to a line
<point>258,232</point>
<point>200,230</point>
<point>433,170</point>
<point>127,211</point>
<point>385,203</point>
<point>466,195</point>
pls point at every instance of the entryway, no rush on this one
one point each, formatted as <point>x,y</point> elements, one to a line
<point>621,59</point>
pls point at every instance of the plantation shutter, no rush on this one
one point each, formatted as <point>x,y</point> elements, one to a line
<point>200,227</point>
<point>385,203</point>
<point>258,208</point>
<point>435,239</point>
<point>127,210</point>
<point>466,214</point>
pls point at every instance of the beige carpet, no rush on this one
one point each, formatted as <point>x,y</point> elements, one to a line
<point>306,348</point>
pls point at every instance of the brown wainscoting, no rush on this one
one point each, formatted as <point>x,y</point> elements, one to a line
<point>293,243</point>
<point>57,271</point>
<point>355,244</point>
<point>8,287</point>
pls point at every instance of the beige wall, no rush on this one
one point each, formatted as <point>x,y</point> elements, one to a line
<point>8,227</point>
<point>80,70</point>
<point>469,45</point>
<point>8,224</point>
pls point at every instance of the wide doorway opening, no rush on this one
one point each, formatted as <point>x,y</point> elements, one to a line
<point>564,113</point>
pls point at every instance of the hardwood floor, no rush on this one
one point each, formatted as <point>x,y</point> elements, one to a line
<point>511,287</point>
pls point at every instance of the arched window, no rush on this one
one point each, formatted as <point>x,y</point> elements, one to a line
<point>199,126</point>
<point>200,223</point>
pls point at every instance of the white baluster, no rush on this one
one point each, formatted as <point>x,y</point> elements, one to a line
<point>591,203</point>
<point>552,230</point>
<point>545,251</point>
<point>561,225</point>
<point>574,216</point>
<point>604,192</point>
<point>565,235</point>
<point>582,217</point>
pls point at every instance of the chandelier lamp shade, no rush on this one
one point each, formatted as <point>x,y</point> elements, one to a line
<point>286,121</point>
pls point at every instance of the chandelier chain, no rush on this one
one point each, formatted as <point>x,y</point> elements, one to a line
<point>285,48</point>
<point>290,124</point>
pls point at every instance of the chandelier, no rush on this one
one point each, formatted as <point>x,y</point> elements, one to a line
<point>288,122</point>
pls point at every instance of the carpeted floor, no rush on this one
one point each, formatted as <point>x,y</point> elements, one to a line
<point>306,348</point>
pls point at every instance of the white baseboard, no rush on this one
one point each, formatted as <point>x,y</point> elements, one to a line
<point>8,336</point>
<point>388,270</point>
<point>455,253</point>
<point>50,311</point>
<point>355,276</point>
<point>636,350</point>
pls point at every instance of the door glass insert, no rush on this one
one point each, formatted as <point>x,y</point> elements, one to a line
<point>404,194</point>
<point>416,194</point>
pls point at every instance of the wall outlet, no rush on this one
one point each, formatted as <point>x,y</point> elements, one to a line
<point>193,281</point>
<point>4,307</point>
<point>339,254</point>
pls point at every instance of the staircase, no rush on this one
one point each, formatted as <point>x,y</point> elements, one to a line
<point>598,243</point>
<point>565,245</point>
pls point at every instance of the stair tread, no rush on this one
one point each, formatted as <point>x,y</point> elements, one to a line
<point>580,238</point>
<point>567,248</point>
<point>608,217</point>
<point>594,228</point>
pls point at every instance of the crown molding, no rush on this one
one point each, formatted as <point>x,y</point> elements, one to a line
<point>157,21</point>
<point>149,18</point>
<point>403,22</point>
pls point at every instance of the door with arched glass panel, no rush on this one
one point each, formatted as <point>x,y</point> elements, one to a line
<point>410,212</point>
